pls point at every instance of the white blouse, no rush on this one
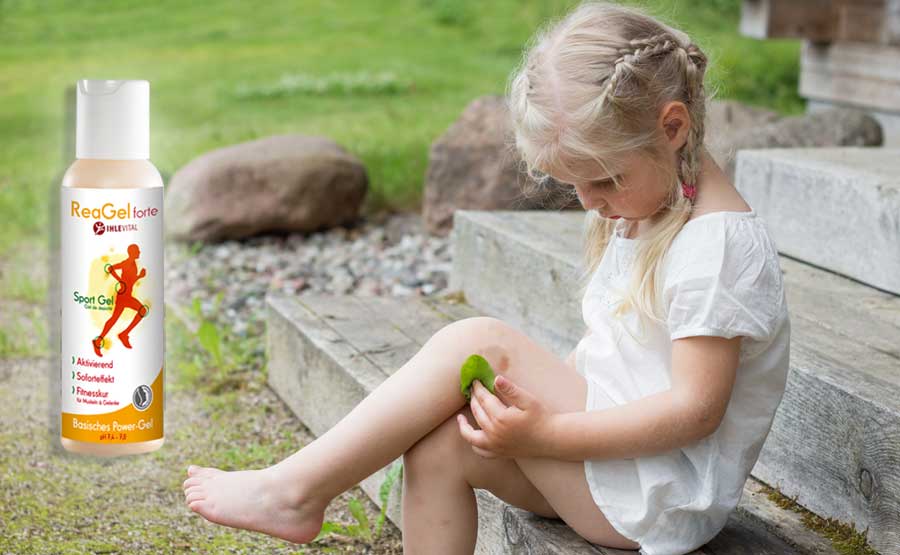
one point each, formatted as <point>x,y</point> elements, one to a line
<point>722,278</point>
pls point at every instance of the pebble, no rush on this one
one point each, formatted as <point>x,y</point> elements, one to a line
<point>388,254</point>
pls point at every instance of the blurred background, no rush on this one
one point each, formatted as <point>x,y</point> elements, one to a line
<point>383,79</point>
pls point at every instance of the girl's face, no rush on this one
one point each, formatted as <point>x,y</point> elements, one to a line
<point>642,195</point>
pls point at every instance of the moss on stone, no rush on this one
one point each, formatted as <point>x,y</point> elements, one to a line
<point>844,537</point>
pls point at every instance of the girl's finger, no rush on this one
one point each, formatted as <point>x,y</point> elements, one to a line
<point>481,416</point>
<point>484,453</point>
<point>492,404</point>
<point>470,434</point>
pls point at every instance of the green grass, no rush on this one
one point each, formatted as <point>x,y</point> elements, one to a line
<point>52,502</point>
<point>383,79</point>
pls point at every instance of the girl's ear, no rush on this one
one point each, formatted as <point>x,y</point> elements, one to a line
<point>675,121</point>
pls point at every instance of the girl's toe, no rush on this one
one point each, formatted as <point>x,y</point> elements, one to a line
<point>192,489</point>
<point>193,496</point>
<point>199,506</point>
<point>192,481</point>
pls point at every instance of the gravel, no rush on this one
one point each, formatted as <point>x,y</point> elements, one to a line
<point>389,255</point>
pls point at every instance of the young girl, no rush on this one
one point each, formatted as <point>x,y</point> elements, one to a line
<point>644,436</point>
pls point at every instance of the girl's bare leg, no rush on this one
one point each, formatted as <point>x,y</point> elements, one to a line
<point>288,499</point>
<point>441,470</point>
<point>439,508</point>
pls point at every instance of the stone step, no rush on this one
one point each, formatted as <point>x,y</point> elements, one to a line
<point>326,353</point>
<point>835,440</point>
<point>837,208</point>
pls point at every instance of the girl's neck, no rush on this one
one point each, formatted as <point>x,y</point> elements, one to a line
<point>714,192</point>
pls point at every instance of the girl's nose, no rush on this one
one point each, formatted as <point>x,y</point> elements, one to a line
<point>583,197</point>
<point>588,201</point>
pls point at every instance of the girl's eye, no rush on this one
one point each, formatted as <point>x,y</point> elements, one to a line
<point>603,183</point>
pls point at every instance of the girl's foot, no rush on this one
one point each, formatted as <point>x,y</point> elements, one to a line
<point>259,500</point>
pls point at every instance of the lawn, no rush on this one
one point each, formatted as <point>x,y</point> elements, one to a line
<point>384,79</point>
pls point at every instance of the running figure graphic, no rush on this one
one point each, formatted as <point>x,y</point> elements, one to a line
<point>127,277</point>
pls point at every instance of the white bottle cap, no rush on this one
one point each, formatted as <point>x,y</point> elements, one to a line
<point>113,119</point>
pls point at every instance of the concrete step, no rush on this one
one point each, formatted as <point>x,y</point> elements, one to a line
<point>835,440</point>
<point>326,353</point>
<point>837,208</point>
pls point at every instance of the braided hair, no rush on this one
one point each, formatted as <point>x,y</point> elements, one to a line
<point>588,93</point>
<point>642,50</point>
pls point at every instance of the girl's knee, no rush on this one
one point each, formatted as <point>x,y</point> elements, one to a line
<point>476,328</point>
<point>484,335</point>
<point>439,449</point>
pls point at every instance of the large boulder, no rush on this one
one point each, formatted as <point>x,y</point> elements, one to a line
<point>729,119</point>
<point>472,166</point>
<point>274,184</point>
<point>835,127</point>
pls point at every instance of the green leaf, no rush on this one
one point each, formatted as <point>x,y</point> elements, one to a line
<point>329,527</point>
<point>476,367</point>
<point>384,492</point>
<point>208,335</point>
<point>197,309</point>
<point>359,513</point>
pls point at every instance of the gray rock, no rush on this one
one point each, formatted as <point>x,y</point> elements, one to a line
<point>280,183</point>
<point>727,120</point>
<point>836,127</point>
<point>473,166</point>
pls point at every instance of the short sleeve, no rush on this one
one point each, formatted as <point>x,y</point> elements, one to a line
<point>724,280</point>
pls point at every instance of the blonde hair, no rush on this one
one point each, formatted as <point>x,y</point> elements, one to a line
<point>590,88</point>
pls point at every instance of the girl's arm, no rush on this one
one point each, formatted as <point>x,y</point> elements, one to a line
<point>570,360</point>
<point>703,372</point>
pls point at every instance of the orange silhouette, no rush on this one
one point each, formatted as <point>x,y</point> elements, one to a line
<point>124,299</point>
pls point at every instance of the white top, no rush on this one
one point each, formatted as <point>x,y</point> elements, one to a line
<point>722,278</point>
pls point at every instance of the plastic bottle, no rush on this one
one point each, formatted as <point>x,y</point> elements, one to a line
<point>111,305</point>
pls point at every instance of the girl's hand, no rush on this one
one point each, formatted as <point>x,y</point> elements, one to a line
<point>515,424</point>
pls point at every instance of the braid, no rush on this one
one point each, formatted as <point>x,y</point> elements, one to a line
<point>636,51</point>
<point>694,63</point>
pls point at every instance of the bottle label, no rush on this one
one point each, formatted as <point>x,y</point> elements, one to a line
<point>112,336</point>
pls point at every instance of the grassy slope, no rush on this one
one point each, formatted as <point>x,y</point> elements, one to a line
<point>199,57</point>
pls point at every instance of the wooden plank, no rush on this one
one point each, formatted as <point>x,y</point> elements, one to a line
<point>746,536</point>
<point>854,74</point>
<point>860,21</point>
<point>818,20</point>
<point>501,259</point>
<point>834,443</point>
<point>368,324</point>
<point>892,22</point>
<point>863,314</point>
<point>811,19</point>
<point>783,523</point>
